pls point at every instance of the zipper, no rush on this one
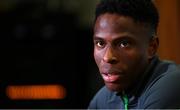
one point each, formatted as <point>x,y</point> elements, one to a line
<point>125,100</point>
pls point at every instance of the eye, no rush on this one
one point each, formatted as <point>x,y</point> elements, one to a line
<point>124,43</point>
<point>99,44</point>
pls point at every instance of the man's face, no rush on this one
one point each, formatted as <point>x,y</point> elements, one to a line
<point>121,50</point>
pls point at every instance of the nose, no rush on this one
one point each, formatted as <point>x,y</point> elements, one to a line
<point>109,56</point>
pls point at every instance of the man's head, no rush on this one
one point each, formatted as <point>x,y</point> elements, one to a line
<point>124,40</point>
<point>142,11</point>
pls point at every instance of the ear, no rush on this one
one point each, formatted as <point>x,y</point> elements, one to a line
<point>153,46</point>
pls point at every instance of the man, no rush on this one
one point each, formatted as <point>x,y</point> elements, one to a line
<point>125,45</point>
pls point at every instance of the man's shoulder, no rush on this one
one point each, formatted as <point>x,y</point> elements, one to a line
<point>164,89</point>
<point>103,92</point>
<point>102,98</point>
<point>95,102</point>
<point>172,70</point>
<point>165,69</point>
<point>166,73</point>
<point>171,77</point>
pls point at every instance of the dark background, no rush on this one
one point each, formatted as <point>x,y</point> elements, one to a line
<point>40,46</point>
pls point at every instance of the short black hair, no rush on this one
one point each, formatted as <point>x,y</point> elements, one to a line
<point>143,11</point>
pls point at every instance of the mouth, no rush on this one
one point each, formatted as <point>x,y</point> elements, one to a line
<point>112,77</point>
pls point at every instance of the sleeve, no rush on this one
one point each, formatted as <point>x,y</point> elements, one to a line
<point>164,93</point>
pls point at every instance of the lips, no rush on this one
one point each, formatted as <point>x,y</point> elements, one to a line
<point>112,77</point>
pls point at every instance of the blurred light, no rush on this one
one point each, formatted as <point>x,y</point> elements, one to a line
<point>36,92</point>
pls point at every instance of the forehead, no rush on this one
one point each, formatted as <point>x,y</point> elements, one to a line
<point>113,23</point>
<point>112,20</point>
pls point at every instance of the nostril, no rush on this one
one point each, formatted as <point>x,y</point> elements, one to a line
<point>113,60</point>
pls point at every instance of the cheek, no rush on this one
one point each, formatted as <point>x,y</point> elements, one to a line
<point>97,57</point>
<point>134,58</point>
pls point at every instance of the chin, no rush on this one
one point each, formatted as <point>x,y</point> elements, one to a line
<point>114,87</point>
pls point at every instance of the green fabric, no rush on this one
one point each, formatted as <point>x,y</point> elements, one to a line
<point>125,100</point>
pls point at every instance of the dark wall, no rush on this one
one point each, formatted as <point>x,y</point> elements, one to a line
<point>43,47</point>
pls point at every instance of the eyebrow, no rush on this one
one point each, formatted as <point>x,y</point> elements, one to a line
<point>97,38</point>
<point>116,39</point>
